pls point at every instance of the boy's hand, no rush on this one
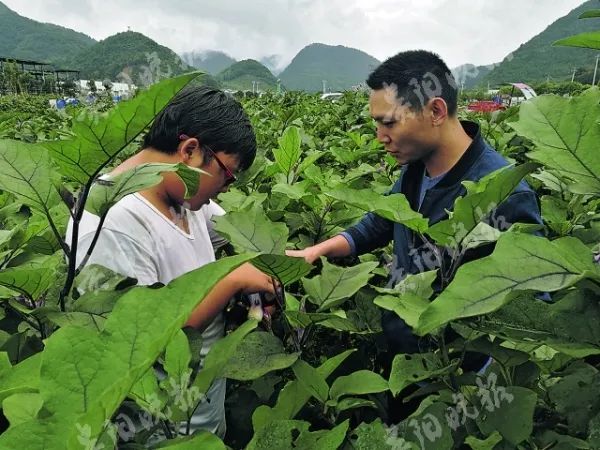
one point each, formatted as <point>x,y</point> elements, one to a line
<point>248,279</point>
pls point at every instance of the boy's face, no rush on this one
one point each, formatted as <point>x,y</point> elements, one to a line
<point>215,181</point>
<point>217,178</point>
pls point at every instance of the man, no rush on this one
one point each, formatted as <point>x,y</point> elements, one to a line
<point>155,235</point>
<point>414,103</point>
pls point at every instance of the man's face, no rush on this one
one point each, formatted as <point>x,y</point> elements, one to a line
<point>407,135</point>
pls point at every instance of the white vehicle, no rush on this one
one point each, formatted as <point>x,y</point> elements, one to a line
<point>332,96</point>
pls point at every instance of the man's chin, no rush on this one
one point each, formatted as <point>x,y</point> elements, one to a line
<point>401,160</point>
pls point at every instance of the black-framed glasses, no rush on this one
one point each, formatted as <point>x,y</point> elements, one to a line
<point>229,175</point>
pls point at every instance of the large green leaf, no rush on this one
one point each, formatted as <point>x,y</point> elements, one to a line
<point>280,434</point>
<point>99,138</point>
<point>221,352</point>
<point>483,286</point>
<point>568,326</point>
<point>85,375</point>
<point>26,172</point>
<point>481,199</point>
<point>428,427</point>
<point>287,434</point>
<point>259,353</point>
<point>294,191</point>
<point>486,444</point>
<point>586,40</point>
<point>23,407</point>
<point>410,297</point>
<point>551,439</point>
<point>177,356</point>
<point>565,132</point>
<point>358,383</point>
<point>285,268</point>
<point>294,396</point>
<point>335,321</point>
<point>311,380</point>
<point>21,378</point>
<point>323,439</point>
<point>147,393</point>
<point>288,153</point>
<point>393,207</point>
<point>409,369</point>
<point>251,230</point>
<point>507,357</point>
<point>106,192</point>
<point>336,284</point>
<point>498,403</point>
<point>35,435</point>
<point>201,440</point>
<point>576,395</point>
<point>375,436</point>
<point>32,280</point>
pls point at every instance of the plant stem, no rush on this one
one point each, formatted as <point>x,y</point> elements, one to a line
<point>92,245</point>
<point>446,360</point>
<point>165,426</point>
<point>321,221</point>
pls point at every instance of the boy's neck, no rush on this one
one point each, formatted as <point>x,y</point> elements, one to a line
<point>157,195</point>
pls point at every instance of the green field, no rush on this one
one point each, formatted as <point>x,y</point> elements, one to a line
<point>318,377</point>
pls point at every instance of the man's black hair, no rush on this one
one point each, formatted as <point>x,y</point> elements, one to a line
<point>206,113</point>
<point>418,76</point>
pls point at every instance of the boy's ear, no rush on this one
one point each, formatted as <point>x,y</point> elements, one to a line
<point>190,152</point>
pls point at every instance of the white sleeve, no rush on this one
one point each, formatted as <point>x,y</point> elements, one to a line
<point>212,209</point>
<point>120,253</point>
<point>209,211</point>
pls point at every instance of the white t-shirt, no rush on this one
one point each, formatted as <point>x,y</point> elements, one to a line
<point>138,241</point>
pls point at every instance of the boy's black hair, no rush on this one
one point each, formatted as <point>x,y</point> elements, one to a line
<point>418,76</point>
<point>206,113</point>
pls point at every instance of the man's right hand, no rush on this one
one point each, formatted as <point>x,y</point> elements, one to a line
<point>335,247</point>
<point>309,254</point>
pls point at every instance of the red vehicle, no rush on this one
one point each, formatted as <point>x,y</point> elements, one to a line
<point>499,104</point>
<point>485,106</point>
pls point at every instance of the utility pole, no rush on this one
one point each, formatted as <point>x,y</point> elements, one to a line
<point>573,77</point>
<point>324,86</point>
<point>596,69</point>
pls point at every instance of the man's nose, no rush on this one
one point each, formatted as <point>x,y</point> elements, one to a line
<point>382,136</point>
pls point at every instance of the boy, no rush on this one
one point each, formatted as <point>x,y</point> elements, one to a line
<point>154,235</point>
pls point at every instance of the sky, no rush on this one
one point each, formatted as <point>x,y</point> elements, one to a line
<point>461,31</point>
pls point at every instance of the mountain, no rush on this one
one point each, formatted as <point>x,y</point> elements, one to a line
<point>210,61</point>
<point>340,67</point>
<point>536,60</point>
<point>23,38</point>
<point>469,76</point>
<point>128,57</point>
<point>241,75</point>
<point>273,63</point>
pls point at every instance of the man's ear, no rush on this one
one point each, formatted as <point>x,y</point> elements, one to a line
<point>439,111</point>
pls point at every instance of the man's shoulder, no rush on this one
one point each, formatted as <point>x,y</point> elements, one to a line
<point>490,160</point>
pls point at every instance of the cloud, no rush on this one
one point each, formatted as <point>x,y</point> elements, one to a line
<point>461,31</point>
